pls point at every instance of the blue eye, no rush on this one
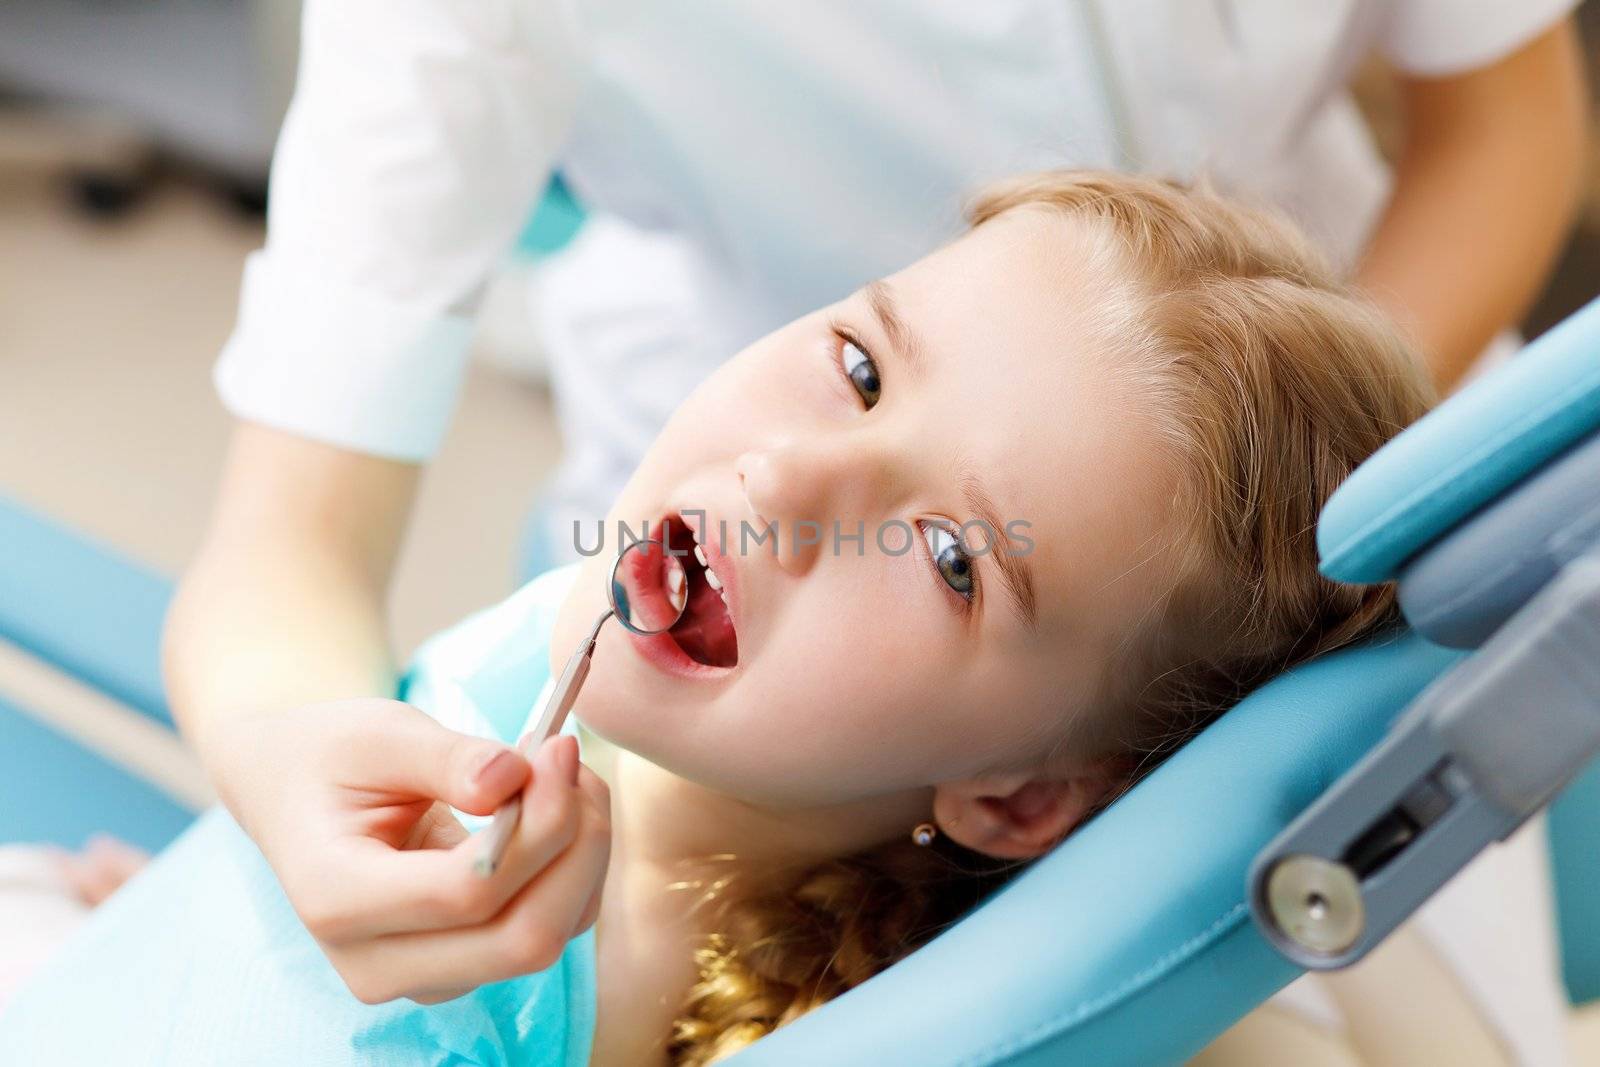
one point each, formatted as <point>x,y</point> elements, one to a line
<point>950,558</point>
<point>862,372</point>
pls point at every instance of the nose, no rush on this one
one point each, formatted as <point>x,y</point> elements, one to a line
<point>814,492</point>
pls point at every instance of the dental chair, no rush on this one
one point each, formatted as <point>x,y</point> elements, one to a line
<point>1292,834</point>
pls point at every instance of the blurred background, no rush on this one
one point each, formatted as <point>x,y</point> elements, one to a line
<point>134,144</point>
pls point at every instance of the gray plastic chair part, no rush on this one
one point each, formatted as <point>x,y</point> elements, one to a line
<point>1474,756</point>
<point>1465,586</point>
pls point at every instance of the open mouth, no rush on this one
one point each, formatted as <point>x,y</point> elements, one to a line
<point>705,633</point>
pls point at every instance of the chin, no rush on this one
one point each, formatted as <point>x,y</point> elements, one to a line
<point>630,716</point>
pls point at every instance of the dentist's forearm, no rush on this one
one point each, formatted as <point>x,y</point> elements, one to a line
<point>257,626</point>
<point>285,603</point>
<point>1485,192</point>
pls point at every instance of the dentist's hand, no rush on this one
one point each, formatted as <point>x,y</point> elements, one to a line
<point>349,802</point>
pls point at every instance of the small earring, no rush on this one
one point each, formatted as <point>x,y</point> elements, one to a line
<point>924,833</point>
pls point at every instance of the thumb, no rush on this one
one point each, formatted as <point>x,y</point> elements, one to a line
<point>421,757</point>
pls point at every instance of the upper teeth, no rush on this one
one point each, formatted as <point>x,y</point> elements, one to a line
<point>711,576</point>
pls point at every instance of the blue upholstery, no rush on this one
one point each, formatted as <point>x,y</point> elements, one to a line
<point>1132,942</point>
<point>1575,866</point>
<point>97,616</point>
<point>52,789</point>
<point>1490,435</point>
<point>81,607</point>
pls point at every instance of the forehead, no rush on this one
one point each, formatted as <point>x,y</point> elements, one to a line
<point>1023,351</point>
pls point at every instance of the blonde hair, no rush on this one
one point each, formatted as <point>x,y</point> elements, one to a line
<point>1270,380</point>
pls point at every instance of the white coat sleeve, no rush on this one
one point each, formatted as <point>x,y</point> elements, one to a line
<point>420,134</point>
<point>1435,38</point>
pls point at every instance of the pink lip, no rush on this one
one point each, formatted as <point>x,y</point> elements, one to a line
<point>663,653</point>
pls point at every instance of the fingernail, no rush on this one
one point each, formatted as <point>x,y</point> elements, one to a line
<point>494,767</point>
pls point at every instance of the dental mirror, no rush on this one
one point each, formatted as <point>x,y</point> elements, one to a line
<point>649,588</point>
<point>649,592</point>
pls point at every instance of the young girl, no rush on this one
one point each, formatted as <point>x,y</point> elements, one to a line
<point>1035,510</point>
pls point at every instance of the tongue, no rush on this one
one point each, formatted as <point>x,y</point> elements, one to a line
<point>706,633</point>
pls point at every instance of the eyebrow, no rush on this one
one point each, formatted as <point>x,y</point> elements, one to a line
<point>902,338</point>
<point>1015,574</point>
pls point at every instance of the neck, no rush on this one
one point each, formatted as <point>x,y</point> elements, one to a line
<point>674,843</point>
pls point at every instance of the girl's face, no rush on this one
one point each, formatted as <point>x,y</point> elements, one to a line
<point>965,389</point>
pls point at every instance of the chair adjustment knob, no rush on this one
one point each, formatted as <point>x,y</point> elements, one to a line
<point>1316,903</point>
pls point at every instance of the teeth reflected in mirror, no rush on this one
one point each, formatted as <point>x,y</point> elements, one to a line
<point>649,588</point>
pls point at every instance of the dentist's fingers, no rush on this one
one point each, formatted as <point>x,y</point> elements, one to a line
<point>600,796</point>
<point>591,914</point>
<point>550,819</point>
<point>376,890</point>
<point>440,998</point>
<point>414,756</point>
<point>595,787</point>
<point>438,829</point>
<point>528,936</point>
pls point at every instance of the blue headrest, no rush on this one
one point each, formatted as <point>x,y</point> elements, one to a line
<point>1132,942</point>
<point>1516,452</point>
<point>1492,434</point>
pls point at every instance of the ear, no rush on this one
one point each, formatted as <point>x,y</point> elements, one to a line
<point>1023,814</point>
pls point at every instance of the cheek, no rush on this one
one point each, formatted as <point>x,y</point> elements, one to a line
<point>851,696</point>
<point>775,383</point>
<point>890,693</point>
